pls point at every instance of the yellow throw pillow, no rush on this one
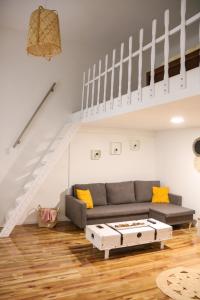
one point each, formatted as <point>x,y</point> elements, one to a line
<point>85,196</point>
<point>160,195</point>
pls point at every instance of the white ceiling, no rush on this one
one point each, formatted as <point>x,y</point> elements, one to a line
<point>97,21</point>
<point>156,118</point>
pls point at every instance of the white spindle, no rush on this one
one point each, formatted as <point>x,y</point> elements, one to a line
<point>130,45</point>
<point>140,65</point>
<point>166,53</point>
<point>93,87</point>
<point>112,79</point>
<point>182,44</point>
<point>120,74</point>
<point>99,85</point>
<point>199,43</point>
<point>88,92</point>
<point>83,95</point>
<point>199,32</point>
<point>153,48</point>
<point>105,82</point>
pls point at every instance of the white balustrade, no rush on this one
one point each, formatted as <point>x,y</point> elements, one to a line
<point>120,75</point>
<point>105,82</point>
<point>152,85</point>
<point>88,92</point>
<point>83,94</point>
<point>99,85</point>
<point>112,79</point>
<point>140,65</point>
<point>182,44</point>
<point>93,88</point>
<point>130,46</point>
<point>108,87</point>
<point>166,53</point>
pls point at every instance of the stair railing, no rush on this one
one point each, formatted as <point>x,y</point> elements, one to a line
<point>18,140</point>
<point>94,79</point>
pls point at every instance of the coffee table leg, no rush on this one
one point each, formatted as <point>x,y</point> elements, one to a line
<point>162,245</point>
<point>106,255</point>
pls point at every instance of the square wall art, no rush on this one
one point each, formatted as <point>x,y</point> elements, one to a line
<point>115,148</point>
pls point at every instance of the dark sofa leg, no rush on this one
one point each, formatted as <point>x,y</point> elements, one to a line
<point>190,225</point>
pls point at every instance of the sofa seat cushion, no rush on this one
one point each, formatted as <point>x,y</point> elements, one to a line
<point>120,192</point>
<point>97,190</point>
<point>143,190</point>
<point>171,210</point>
<point>118,210</point>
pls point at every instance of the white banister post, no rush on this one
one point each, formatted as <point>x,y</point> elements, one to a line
<point>83,95</point>
<point>130,45</point>
<point>105,82</point>
<point>199,43</point>
<point>112,79</point>
<point>182,44</point>
<point>88,92</point>
<point>120,74</point>
<point>153,50</point>
<point>140,65</point>
<point>99,84</point>
<point>93,88</point>
<point>166,53</point>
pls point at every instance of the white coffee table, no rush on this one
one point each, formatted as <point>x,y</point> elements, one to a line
<point>128,233</point>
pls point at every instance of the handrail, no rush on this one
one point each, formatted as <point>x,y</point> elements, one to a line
<point>18,140</point>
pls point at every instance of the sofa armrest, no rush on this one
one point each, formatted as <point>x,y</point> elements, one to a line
<point>75,210</point>
<point>175,199</point>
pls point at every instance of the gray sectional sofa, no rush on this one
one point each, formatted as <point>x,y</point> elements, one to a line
<point>123,201</point>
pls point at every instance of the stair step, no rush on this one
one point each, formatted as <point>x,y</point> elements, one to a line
<point>23,176</point>
<point>19,199</point>
<point>28,184</point>
<point>37,171</point>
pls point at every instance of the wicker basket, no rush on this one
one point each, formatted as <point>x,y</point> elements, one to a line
<point>49,224</point>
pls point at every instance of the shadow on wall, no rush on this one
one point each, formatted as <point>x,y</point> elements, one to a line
<point>32,214</point>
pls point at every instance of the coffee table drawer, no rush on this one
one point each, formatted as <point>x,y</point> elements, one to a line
<point>103,237</point>
<point>137,236</point>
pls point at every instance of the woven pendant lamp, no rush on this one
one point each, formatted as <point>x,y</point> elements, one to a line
<point>44,33</point>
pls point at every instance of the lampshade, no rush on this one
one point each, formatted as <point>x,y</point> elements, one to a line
<point>44,33</point>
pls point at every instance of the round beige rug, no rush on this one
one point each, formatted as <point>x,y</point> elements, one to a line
<point>180,283</point>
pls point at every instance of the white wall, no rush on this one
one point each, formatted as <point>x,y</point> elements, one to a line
<point>175,164</point>
<point>130,165</point>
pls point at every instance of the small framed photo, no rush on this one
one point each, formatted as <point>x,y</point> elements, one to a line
<point>116,148</point>
<point>95,154</point>
<point>134,145</point>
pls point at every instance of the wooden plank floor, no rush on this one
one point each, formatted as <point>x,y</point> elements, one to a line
<point>60,264</point>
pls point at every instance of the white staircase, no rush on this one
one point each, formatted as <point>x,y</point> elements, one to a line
<point>38,174</point>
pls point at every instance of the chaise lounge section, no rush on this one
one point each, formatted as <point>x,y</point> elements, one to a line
<point>123,201</point>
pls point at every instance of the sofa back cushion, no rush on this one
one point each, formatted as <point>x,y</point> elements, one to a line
<point>143,190</point>
<point>120,192</point>
<point>97,190</point>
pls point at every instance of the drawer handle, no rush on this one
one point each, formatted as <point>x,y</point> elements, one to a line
<point>92,235</point>
<point>139,234</point>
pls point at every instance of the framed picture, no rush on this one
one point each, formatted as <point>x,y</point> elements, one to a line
<point>115,148</point>
<point>134,145</point>
<point>95,154</point>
